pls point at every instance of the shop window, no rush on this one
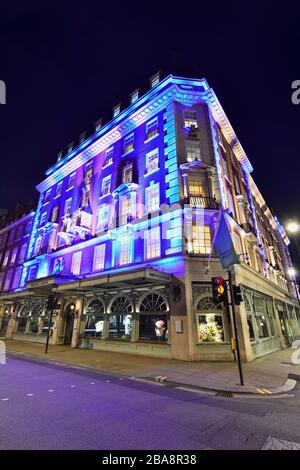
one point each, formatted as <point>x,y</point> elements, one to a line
<point>210,328</point>
<point>262,326</point>
<point>94,319</point>
<point>153,318</point>
<point>250,328</point>
<point>120,320</point>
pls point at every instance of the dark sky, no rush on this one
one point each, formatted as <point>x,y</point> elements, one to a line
<point>66,64</point>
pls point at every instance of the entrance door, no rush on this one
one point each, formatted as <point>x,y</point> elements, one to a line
<point>69,326</point>
<point>284,328</point>
<point>4,326</point>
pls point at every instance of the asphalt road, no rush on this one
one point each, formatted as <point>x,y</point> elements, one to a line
<point>47,406</point>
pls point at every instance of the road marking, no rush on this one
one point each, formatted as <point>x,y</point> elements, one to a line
<point>107,381</point>
<point>92,383</point>
<point>50,390</point>
<point>267,391</point>
<point>261,391</point>
<point>120,379</point>
<point>29,394</point>
<point>73,386</point>
<point>5,399</point>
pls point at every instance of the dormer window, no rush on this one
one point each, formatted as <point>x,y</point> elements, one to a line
<point>155,79</point>
<point>190,118</point>
<point>109,157</point>
<point>127,173</point>
<point>152,128</point>
<point>116,110</point>
<point>129,143</point>
<point>134,96</point>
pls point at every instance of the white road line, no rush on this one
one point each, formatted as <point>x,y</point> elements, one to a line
<point>73,386</point>
<point>50,390</point>
<point>4,399</point>
<point>92,383</point>
<point>29,394</point>
<point>107,381</point>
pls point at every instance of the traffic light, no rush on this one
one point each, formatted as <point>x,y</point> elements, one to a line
<point>237,295</point>
<point>219,289</point>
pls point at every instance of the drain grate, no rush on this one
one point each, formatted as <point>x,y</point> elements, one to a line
<point>224,394</point>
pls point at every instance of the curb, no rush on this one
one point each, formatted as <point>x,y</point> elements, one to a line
<point>289,385</point>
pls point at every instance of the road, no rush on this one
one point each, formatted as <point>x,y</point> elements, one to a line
<point>48,406</point>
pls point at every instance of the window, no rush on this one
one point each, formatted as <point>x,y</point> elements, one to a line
<point>237,243</point>
<point>195,187</point>
<point>32,273</point>
<point>120,320</point>
<point>11,236</point>
<point>103,215</point>
<point>250,327</point>
<point>190,118</point>
<point>23,252</point>
<point>17,278</point>
<point>94,319</point>
<point>28,228</point>
<point>54,214</point>
<point>14,255</point>
<point>152,161</point>
<point>58,189</point>
<point>129,143</point>
<point>99,257</point>
<point>262,326</point>
<point>68,203</point>
<point>237,185</point>
<point>224,166</point>
<point>153,318</point>
<point>6,256</point>
<point>8,279</point>
<point>193,151</point>
<point>106,185</point>
<point>201,239</point>
<point>230,202</point>
<point>47,196</point>
<point>76,263</point>
<point>116,110</point>
<point>125,250</point>
<point>155,80</point>
<point>38,245</point>
<point>210,328</point>
<point>127,173</point>
<point>152,128</point>
<point>152,198</point>
<point>125,209</point>
<point>43,219</point>
<point>71,182</point>
<point>152,243</point>
<point>134,96</point>
<point>109,157</point>
<point>19,232</point>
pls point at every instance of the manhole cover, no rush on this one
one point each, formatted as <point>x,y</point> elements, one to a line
<point>224,394</point>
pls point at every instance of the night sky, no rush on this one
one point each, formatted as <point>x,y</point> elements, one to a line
<point>67,64</point>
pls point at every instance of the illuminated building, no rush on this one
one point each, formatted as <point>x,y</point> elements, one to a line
<point>123,235</point>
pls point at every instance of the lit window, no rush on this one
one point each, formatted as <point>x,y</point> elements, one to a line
<point>17,278</point>
<point>154,80</point>
<point>54,214</point>
<point>5,261</point>
<point>28,228</point>
<point>38,245</point>
<point>68,204</point>
<point>76,263</point>
<point>71,182</point>
<point>210,328</point>
<point>99,257</point>
<point>106,185</point>
<point>127,173</point>
<point>14,255</point>
<point>23,252</point>
<point>47,196</point>
<point>134,96</point>
<point>230,202</point>
<point>195,187</point>
<point>8,280</point>
<point>152,160</point>
<point>109,157</point>
<point>129,143</point>
<point>43,219</point>
<point>152,198</point>
<point>103,218</point>
<point>152,128</point>
<point>32,273</point>
<point>201,239</point>
<point>152,241</point>
<point>116,110</point>
<point>58,189</point>
<point>19,233</point>
<point>124,207</point>
<point>224,166</point>
<point>190,118</point>
<point>193,151</point>
<point>125,250</point>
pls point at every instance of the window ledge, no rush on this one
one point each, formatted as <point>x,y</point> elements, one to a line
<point>69,189</point>
<point>147,173</point>
<point>127,153</point>
<point>56,197</point>
<point>105,195</point>
<point>151,138</point>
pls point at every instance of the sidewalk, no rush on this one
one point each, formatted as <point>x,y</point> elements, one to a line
<point>266,375</point>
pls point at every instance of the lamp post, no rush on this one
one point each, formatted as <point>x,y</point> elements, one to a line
<point>293,228</point>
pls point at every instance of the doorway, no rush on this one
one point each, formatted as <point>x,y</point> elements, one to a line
<point>4,325</point>
<point>69,324</point>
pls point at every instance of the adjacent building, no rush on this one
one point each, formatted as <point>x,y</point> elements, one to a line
<point>123,236</point>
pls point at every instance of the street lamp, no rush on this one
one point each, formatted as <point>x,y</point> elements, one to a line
<point>293,228</point>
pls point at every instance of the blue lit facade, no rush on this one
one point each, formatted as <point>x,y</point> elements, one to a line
<point>123,235</point>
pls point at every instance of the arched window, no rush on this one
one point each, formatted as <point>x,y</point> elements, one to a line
<point>23,317</point>
<point>153,318</point>
<point>94,319</point>
<point>120,320</point>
